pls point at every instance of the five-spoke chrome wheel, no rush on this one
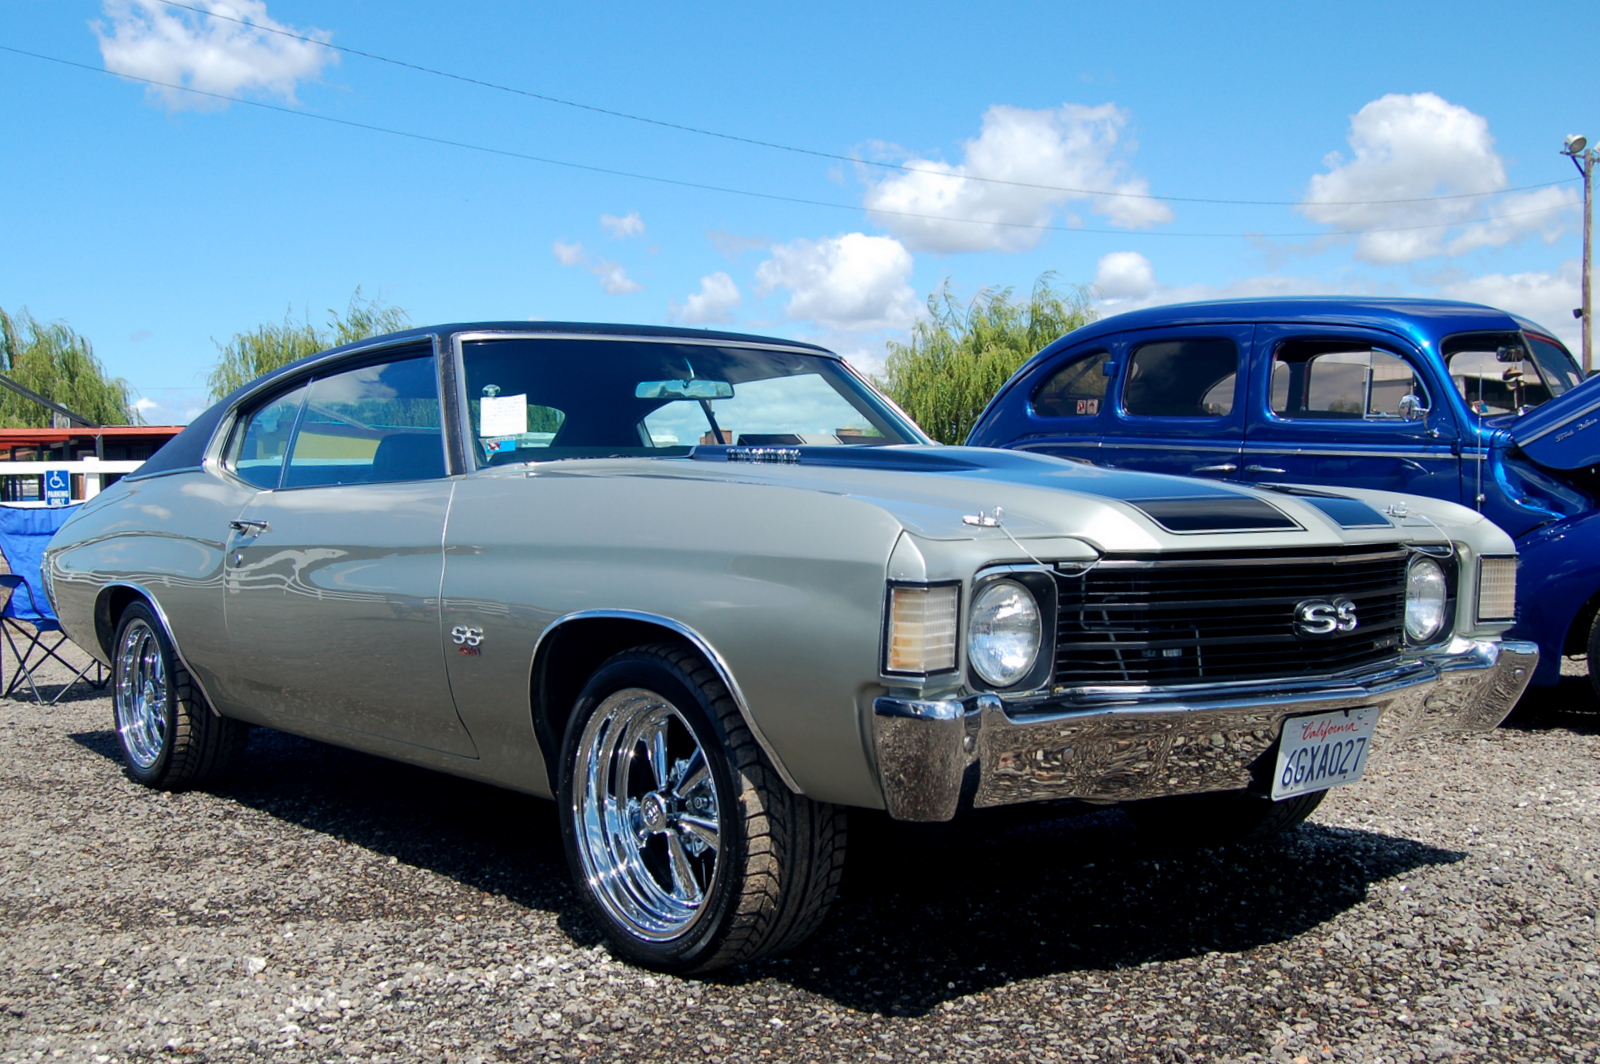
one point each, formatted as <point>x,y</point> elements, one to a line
<point>647,813</point>
<point>141,694</point>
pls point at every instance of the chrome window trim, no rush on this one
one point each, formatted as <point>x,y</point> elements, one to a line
<point>704,646</point>
<point>459,340</point>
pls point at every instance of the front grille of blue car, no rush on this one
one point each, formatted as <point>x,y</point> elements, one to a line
<point>1220,617</point>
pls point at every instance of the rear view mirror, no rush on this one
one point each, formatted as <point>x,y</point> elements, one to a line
<point>1511,353</point>
<point>697,389</point>
<point>1412,408</point>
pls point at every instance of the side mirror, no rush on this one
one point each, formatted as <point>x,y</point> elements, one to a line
<point>1412,408</point>
<point>1108,369</point>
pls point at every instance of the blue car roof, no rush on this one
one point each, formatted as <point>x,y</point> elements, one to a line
<point>1425,321</point>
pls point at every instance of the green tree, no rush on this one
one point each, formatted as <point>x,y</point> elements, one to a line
<point>267,347</point>
<point>959,356</point>
<point>60,365</point>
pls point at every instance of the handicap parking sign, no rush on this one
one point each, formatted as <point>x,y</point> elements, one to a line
<point>57,487</point>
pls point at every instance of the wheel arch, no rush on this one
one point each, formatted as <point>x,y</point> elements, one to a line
<point>109,606</point>
<point>572,647</point>
<point>1577,642</point>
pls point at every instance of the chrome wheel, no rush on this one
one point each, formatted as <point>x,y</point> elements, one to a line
<point>648,818</point>
<point>141,694</point>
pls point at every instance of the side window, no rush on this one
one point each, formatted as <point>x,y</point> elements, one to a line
<point>1333,379</point>
<point>262,439</point>
<point>1075,390</point>
<point>372,424</point>
<point>1182,378</point>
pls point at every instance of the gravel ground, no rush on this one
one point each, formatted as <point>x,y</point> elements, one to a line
<point>325,906</point>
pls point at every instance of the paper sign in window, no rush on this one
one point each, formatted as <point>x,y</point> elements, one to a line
<point>503,415</point>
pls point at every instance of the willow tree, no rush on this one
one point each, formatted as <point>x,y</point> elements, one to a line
<point>959,355</point>
<point>54,361</point>
<point>267,347</point>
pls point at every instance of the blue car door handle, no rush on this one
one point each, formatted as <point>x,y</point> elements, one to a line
<point>1225,467</point>
<point>1263,469</point>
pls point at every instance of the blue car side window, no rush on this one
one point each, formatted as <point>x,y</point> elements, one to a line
<point>1077,389</point>
<point>1182,378</point>
<point>1333,379</point>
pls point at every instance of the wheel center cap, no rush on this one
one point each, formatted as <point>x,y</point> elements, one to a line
<point>653,813</point>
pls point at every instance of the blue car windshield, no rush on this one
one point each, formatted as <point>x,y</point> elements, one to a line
<point>535,399</point>
<point>1508,372</point>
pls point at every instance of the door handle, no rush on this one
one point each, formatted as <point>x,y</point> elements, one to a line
<point>1225,467</point>
<point>1263,469</point>
<point>250,528</point>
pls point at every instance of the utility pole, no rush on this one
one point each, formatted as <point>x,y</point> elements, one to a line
<point>1583,157</point>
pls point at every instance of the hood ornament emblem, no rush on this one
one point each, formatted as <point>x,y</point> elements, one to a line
<point>984,519</point>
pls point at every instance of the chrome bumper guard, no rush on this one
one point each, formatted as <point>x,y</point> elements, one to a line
<point>1117,746</point>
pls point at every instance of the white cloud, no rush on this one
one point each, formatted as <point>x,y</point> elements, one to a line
<point>1069,146</point>
<point>144,405</point>
<point>1543,296</point>
<point>1417,146</point>
<point>853,282</point>
<point>717,297</point>
<point>150,40</point>
<point>568,254</point>
<point>613,278</point>
<point>172,406</point>
<point>1124,275</point>
<point>628,225</point>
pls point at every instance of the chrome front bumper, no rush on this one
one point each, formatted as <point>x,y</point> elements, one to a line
<point>1117,746</point>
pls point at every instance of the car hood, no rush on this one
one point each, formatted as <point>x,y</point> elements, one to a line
<point>1563,433</point>
<point>978,492</point>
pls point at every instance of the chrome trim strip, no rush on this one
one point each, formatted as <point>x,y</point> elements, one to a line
<point>701,644</point>
<point>1176,446</point>
<point>1176,560</point>
<point>1328,452</point>
<point>491,334</point>
<point>161,615</point>
<point>1587,411</point>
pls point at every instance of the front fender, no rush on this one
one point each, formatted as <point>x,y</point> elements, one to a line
<point>1558,577</point>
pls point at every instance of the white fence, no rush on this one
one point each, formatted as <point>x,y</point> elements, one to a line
<point>86,477</point>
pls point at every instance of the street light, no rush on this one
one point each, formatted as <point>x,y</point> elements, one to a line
<point>1583,157</point>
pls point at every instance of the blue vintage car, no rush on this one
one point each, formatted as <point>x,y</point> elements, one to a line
<point>1452,400</point>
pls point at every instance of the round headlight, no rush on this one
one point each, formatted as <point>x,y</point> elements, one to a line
<point>1425,600</point>
<point>1004,632</point>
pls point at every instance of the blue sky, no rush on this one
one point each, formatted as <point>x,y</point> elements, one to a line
<point>154,221</point>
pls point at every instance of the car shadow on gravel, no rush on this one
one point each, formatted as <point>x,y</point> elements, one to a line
<point>928,912</point>
<point>932,913</point>
<point>483,837</point>
<point>1569,705</point>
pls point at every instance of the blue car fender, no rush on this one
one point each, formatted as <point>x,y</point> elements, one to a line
<point>1556,585</point>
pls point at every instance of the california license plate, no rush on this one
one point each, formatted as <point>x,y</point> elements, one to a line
<point>1323,750</point>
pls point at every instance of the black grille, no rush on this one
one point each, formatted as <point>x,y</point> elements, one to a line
<point>1218,617</point>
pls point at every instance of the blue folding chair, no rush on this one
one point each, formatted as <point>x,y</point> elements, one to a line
<point>26,621</point>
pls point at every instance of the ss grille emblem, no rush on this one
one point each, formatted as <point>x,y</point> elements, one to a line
<point>1325,616</point>
<point>467,639</point>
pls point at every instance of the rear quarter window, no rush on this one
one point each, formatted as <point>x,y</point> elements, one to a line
<point>1076,389</point>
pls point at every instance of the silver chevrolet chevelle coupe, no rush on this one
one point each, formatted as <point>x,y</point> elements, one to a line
<point>709,591</point>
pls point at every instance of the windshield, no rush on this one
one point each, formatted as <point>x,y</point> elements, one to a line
<point>1508,372</point>
<point>534,399</point>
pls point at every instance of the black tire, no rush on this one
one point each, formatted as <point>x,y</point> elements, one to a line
<point>766,883</point>
<point>1200,820</point>
<point>1594,655</point>
<point>169,736</point>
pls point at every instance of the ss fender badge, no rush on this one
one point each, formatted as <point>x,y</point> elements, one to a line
<point>467,639</point>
